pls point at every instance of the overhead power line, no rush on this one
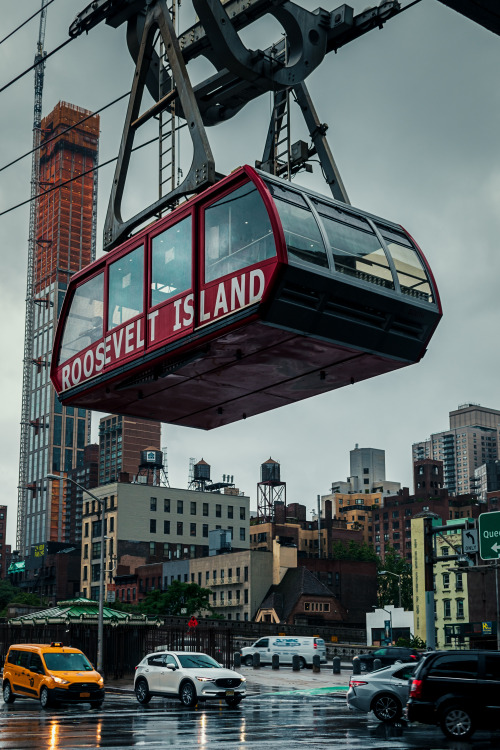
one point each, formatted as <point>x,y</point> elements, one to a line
<point>37,13</point>
<point>72,179</point>
<point>71,127</point>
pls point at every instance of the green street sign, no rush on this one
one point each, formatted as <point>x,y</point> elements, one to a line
<point>489,535</point>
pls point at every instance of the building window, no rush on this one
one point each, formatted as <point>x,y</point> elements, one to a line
<point>180,506</point>
<point>193,508</point>
<point>242,513</point>
<point>96,550</point>
<point>86,530</point>
<point>152,525</point>
<point>112,523</point>
<point>460,608</point>
<point>205,509</point>
<point>96,529</point>
<point>166,505</point>
<point>446,607</point>
<point>242,535</point>
<point>152,548</point>
<point>166,527</point>
<point>96,568</point>
<point>179,528</point>
<point>446,580</point>
<point>85,551</point>
<point>245,573</point>
<point>152,506</point>
<point>192,529</point>
<point>218,511</point>
<point>459,582</point>
<point>230,510</point>
<point>205,529</point>
<point>84,572</point>
<point>245,596</point>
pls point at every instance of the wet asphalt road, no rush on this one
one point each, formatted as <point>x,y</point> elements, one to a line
<point>270,720</point>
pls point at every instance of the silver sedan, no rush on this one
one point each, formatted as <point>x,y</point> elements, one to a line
<point>384,691</point>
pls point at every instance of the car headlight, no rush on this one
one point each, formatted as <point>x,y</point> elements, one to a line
<point>60,681</point>
<point>204,679</point>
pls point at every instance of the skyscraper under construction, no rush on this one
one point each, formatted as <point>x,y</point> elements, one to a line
<point>63,241</point>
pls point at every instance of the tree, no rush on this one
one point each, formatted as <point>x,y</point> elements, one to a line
<point>388,585</point>
<point>178,597</point>
<point>9,594</point>
<point>353,551</point>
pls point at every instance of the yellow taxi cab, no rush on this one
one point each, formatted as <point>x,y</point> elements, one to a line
<point>52,673</point>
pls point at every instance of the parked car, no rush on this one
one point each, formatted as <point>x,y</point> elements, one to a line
<point>188,676</point>
<point>286,647</point>
<point>459,690</point>
<point>388,655</point>
<point>52,673</point>
<point>385,691</point>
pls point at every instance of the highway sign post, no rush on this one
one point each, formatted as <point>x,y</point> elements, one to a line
<point>489,535</point>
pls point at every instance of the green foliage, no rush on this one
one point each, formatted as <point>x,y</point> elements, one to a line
<point>388,585</point>
<point>412,642</point>
<point>353,551</point>
<point>179,596</point>
<point>9,594</point>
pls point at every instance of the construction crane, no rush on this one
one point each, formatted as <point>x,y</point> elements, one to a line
<point>26,424</point>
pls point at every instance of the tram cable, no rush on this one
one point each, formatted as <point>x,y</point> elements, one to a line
<point>72,179</point>
<point>63,132</point>
<point>37,13</point>
<point>39,62</point>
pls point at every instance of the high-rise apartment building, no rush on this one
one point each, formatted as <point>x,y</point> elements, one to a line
<point>121,440</point>
<point>54,437</point>
<point>471,441</point>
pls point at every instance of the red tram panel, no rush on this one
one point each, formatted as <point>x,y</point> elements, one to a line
<point>250,296</point>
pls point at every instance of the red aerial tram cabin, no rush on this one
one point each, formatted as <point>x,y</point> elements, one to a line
<point>252,295</point>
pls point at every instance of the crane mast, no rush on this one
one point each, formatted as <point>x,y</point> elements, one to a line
<point>30,282</point>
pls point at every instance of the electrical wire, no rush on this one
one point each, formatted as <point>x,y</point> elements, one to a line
<point>73,179</point>
<point>39,62</point>
<point>71,127</point>
<point>25,22</point>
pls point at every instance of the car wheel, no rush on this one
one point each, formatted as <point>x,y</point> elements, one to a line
<point>302,662</point>
<point>233,702</point>
<point>45,699</point>
<point>248,661</point>
<point>142,692</point>
<point>457,723</point>
<point>8,695</point>
<point>187,694</point>
<point>386,708</point>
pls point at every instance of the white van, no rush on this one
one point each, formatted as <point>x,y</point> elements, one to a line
<point>285,646</point>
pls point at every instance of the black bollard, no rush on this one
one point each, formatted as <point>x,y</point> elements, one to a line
<point>356,666</point>
<point>275,661</point>
<point>336,665</point>
<point>377,664</point>
<point>316,664</point>
<point>296,663</point>
<point>256,660</point>
<point>237,659</point>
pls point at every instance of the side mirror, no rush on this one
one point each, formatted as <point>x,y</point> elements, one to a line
<point>172,667</point>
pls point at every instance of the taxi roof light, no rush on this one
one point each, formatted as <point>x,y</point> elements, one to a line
<point>56,644</point>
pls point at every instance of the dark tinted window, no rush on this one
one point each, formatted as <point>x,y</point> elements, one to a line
<point>171,262</point>
<point>380,652</point>
<point>36,663</point>
<point>12,656</point>
<point>455,665</point>
<point>492,666</point>
<point>83,324</point>
<point>156,661</point>
<point>405,673</point>
<point>126,276</point>
<point>23,658</point>
<point>302,236</point>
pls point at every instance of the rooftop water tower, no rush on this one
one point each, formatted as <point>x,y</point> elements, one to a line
<point>270,490</point>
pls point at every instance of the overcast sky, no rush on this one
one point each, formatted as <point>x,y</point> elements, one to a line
<point>414,117</point>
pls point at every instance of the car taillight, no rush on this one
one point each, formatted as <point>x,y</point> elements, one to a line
<point>357,683</point>
<point>416,689</point>
<point>315,645</point>
<point>412,656</point>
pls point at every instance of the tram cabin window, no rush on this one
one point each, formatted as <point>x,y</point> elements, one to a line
<point>238,233</point>
<point>411,273</point>
<point>171,262</point>
<point>357,251</point>
<point>302,236</point>
<point>85,318</point>
<point>126,279</point>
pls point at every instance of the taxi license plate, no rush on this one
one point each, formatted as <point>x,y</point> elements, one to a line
<point>229,693</point>
<point>84,695</point>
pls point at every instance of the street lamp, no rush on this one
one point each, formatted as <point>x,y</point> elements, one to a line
<point>396,575</point>
<point>100,616</point>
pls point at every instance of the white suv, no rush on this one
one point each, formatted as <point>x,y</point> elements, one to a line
<point>189,676</point>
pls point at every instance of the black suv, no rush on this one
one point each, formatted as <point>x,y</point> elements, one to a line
<point>460,690</point>
<point>387,656</point>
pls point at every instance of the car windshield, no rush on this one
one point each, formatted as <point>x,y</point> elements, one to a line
<point>67,663</point>
<point>195,661</point>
